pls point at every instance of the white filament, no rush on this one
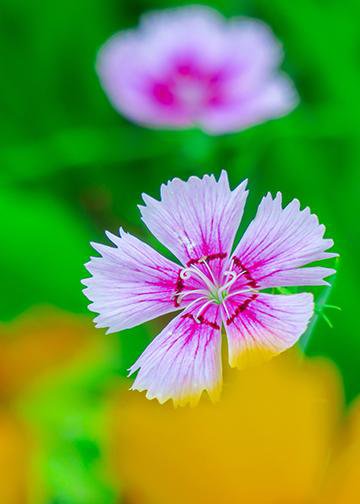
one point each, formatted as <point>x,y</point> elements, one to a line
<point>230,282</point>
<point>182,294</point>
<point>241,292</point>
<point>202,308</point>
<point>186,273</point>
<point>202,298</point>
<point>226,309</point>
<point>203,261</point>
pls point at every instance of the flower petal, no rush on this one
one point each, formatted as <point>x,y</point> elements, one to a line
<point>254,92</point>
<point>278,241</point>
<point>298,276</point>
<point>274,98</point>
<point>197,218</point>
<point>258,52</point>
<point>263,325</point>
<point>131,283</point>
<point>125,73</point>
<point>183,360</point>
<point>195,30</point>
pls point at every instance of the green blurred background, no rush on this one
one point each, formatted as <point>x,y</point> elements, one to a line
<point>71,166</point>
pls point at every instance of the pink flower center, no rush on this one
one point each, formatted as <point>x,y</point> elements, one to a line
<point>211,291</point>
<point>189,88</point>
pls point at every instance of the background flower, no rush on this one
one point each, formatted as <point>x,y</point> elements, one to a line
<point>189,67</point>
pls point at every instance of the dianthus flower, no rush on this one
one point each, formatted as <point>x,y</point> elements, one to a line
<point>197,220</point>
<point>190,67</point>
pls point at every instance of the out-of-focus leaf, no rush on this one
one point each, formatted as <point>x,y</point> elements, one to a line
<point>44,247</point>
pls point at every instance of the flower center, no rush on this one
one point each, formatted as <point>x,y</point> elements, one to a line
<point>190,92</point>
<point>211,292</point>
<point>217,296</point>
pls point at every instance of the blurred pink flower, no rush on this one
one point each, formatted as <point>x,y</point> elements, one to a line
<point>197,221</point>
<point>189,67</point>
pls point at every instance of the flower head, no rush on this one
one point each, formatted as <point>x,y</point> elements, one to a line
<point>197,221</point>
<point>188,66</point>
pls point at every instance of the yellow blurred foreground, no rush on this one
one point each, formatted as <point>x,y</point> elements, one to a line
<point>276,436</point>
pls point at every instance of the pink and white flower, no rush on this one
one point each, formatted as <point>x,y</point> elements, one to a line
<point>190,67</point>
<point>197,220</point>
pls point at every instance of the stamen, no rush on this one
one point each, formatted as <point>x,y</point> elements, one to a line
<point>186,273</point>
<point>202,308</point>
<point>226,309</point>
<point>254,291</point>
<point>180,296</point>
<point>203,261</point>
<point>195,301</point>
<point>232,280</point>
<point>231,264</point>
